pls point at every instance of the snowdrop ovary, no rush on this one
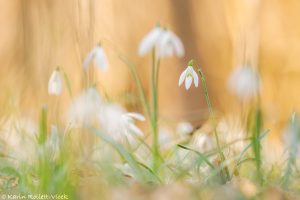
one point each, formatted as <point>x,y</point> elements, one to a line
<point>55,83</point>
<point>187,76</point>
<point>99,57</point>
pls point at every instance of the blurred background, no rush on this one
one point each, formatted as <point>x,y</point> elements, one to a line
<point>37,36</point>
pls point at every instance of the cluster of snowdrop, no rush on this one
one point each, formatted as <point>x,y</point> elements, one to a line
<point>89,108</point>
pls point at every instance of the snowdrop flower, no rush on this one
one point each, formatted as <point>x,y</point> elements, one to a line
<point>55,83</point>
<point>120,124</point>
<point>150,41</point>
<point>187,76</point>
<point>165,42</point>
<point>202,142</point>
<point>128,123</point>
<point>183,129</point>
<point>85,108</point>
<point>245,83</point>
<point>164,137</point>
<point>97,55</point>
<point>169,44</point>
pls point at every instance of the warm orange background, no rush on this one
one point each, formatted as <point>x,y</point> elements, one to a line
<point>36,36</point>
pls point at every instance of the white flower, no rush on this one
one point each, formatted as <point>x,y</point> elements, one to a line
<point>55,83</point>
<point>120,124</point>
<point>202,142</point>
<point>97,55</point>
<point>183,129</point>
<point>164,137</point>
<point>245,83</point>
<point>150,41</point>
<point>128,123</point>
<point>85,108</point>
<point>188,75</point>
<point>165,42</point>
<point>169,44</point>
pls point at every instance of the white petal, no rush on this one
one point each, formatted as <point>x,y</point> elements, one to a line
<point>100,59</point>
<point>188,82</point>
<point>88,59</point>
<point>196,78</point>
<point>150,41</point>
<point>137,116</point>
<point>178,46</point>
<point>164,46</point>
<point>55,84</point>
<point>244,83</point>
<point>182,77</point>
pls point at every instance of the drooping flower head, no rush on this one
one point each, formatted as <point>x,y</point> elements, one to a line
<point>119,123</point>
<point>169,45</point>
<point>99,57</point>
<point>244,82</point>
<point>183,129</point>
<point>85,109</point>
<point>150,41</point>
<point>55,83</point>
<point>165,42</point>
<point>188,76</point>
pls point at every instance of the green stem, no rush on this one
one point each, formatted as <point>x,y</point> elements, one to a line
<point>212,117</point>
<point>154,121</point>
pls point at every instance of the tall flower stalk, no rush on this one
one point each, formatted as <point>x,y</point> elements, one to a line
<point>225,171</point>
<point>161,42</point>
<point>154,114</point>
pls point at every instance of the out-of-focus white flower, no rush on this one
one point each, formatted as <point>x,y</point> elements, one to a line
<point>183,129</point>
<point>169,44</point>
<point>164,41</point>
<point>119,123</point>
<point>99,57</point>
<point>150,41</point>
<point>86,108</point>
<point>164,137</point>
<point>245,83</point>
<point>128,123</point>
<point>55,83</point>
<point>202,142</point>
<point>188,75</point>
<point>19,134</point>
